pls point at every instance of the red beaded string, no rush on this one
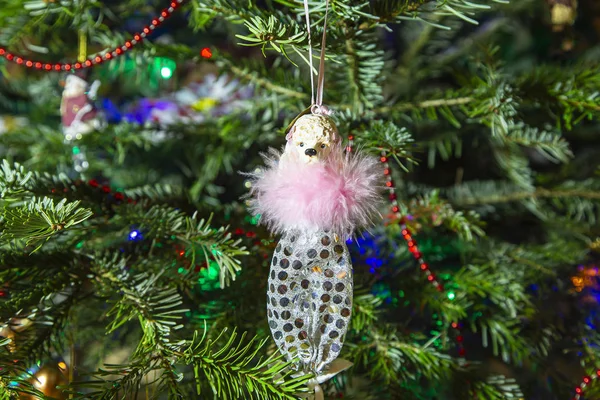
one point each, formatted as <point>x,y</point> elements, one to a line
<point>412,247</point>
<point>100,58</point>
<point>406,234</point>
<point>410,240</point>
<point>585,382</point>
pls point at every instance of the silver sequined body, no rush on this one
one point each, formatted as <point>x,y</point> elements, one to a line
<point>309,298</point>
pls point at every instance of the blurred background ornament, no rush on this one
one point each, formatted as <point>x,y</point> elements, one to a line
<point>79,115</point>
<point>47,377</point>
<point>562,13</point>
<point>12,329</point>
<point>9,123</point>
<point>587,277</point>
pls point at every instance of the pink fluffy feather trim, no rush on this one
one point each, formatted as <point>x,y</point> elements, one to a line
<point>341,195</point>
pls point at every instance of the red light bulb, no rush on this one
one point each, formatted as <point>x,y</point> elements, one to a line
<point>206,53</point>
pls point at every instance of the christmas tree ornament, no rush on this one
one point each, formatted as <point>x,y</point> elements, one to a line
<point>77,110</point>
<point>47,378</point>
<point>12,329</point>
<point>78,113</point>
<point>562,13</point>
<point>315,196</point>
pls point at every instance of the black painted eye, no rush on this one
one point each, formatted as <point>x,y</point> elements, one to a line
<point>302,144</point>
<point>323,146</point>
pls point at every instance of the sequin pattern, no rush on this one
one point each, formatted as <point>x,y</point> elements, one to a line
<point>309,297</point>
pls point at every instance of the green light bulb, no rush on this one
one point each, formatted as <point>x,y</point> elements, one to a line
<point>166,72</point>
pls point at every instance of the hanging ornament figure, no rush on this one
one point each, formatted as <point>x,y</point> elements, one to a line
<point>79,115</point>
<point>315,197</point>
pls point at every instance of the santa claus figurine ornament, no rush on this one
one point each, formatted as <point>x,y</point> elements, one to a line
<point>79,116</point>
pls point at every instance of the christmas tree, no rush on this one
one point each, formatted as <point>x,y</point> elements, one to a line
<point>132,265</point>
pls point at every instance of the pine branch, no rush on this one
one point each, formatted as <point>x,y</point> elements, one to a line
<point>233,371</point>
<point>365,311</point>
<point>267,84</point>
<point>12,383</point>
<point>435,103</point>
<point>578,200</point>
<point>550,145</point>
<point>39,220</point>
<point>164,222</point>
<point>381,136</point>
<point>386,356</point>
<point>441,213</point>
<point>363,71</point>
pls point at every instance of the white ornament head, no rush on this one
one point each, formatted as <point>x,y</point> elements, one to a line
<point>313,138</point>
<point>74,86</point>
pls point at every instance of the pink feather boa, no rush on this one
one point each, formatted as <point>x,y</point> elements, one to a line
<point>340,195</point>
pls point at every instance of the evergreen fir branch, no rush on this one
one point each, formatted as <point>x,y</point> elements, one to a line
<point>505,337</point>
<point>156,193</point>
<point>143,295</point>
<point>505,290</point>
<point>233,370</point>
<point>146,298</point>
<point>41,329</point>
<point>273,33</point>
<point>498,387</point>
<point>444,145</point>
<point>12,383</point>
<point>502,288</point>
<point>164,222</point>
<point>424,12</point>
<point>552,146</point>
<point>497,111</point>
<point>386,136</point>
<point>386,356</point>
<point>28,290</point>
<point>576,199</point>
<point>431,207</point>
<point>491,387</point>
<point>425,105</point>
<point>573,94</point>
<point>364,310</point>
<point>235,11</point>
<point>254,78</point>
<point>106,387</point>
<point>362,76</point>
<point>13,181</point>
<point>40,219</point>
<point>217,244</point>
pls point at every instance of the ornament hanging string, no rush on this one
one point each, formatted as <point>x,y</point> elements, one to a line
<point>316,106</point>
<point>82,46</point>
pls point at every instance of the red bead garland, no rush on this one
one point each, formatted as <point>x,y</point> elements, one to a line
<point>410,241</point>
<point>120,50</point>
<point>585,382</point>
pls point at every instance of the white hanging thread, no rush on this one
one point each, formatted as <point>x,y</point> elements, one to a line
<point>317,106</point>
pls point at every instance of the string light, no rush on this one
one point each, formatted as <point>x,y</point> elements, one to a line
<point>166,72</point>
<point>135,235</point>
<point>206,53</point>
<point>100,58</point>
